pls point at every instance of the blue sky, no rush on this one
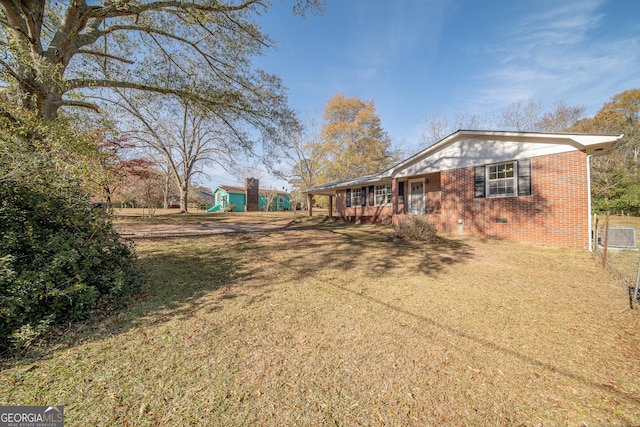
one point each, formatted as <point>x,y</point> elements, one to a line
<point>414,57</point>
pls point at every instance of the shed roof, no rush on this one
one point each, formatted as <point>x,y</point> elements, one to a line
<point>242,190</point>
<point>232,188</point>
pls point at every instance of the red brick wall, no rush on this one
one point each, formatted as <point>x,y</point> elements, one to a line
<point>362,214</point>
<point>556,213</point>
<point>433,193</point>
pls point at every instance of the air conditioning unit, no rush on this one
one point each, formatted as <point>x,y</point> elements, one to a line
<point>620,237</point>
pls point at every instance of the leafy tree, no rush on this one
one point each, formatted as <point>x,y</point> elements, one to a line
<point>75,54</point>
<point>114,164</point>
<point>622,115</point>
<point>616,176</point>
<point>58,257</point>
<point>353,142</point>
<point>145,187</point>
<point>43,153</point>
<point>58,52</point>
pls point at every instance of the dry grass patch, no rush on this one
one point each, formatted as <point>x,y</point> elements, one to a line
<point>345,325</point>
<point>174,217</point>
<point>623,264</point>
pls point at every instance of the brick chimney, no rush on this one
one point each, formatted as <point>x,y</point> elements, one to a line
<point>252,188</point>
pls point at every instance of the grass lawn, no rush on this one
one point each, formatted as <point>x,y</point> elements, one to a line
<point>334,324</point>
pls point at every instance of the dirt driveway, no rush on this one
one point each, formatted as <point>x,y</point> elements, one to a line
<point>203,225</point>
<point>192,230</point>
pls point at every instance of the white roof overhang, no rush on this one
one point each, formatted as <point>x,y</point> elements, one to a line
<point>474,147</point>
<point>331,188</point>
<point>519,144</point>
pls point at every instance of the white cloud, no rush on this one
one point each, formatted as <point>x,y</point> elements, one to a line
<point>559,53</point>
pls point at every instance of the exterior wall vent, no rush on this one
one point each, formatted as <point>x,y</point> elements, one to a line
<point>620,237</point>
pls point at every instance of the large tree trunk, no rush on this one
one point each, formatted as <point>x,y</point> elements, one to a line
<point>184,190</point>
<point>108,194</point>
<point>165,190</point>
<point>49,104</point>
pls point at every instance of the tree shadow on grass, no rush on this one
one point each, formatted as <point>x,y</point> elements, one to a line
<point>346,247</point>
<point>182,271</point>
<point>178,273</point>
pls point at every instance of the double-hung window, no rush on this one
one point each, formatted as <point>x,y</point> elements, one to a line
<point>502,180</point>
<point>506,179</point>
<point>382,194</point>
<point>356,197</point>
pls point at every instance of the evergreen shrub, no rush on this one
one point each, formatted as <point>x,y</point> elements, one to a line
<point>59,259</point>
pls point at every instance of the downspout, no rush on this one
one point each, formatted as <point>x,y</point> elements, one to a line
<point>590,230</point>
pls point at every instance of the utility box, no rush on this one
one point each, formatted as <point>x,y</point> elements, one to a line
<point>620,237</point>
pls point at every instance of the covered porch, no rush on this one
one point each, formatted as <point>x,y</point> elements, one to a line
<point>361,200</point>
<point>331,194</point>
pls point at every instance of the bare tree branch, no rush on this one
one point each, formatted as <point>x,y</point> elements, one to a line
<point>105,55</point>
<point>82,104</point>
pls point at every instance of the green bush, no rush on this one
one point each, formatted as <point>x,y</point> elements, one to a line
<point>58,260</point>
<point>416,227</point>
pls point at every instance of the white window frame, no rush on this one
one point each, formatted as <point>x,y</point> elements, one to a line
<point>494,175</point>
<point>355,191</point>
<point>384,192</point>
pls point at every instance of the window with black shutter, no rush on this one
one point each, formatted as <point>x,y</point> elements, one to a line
<point>479,186</point>
<point>506,179</point>
<point>383,195</point>
<point>524,177</point>
<point>501,180</point>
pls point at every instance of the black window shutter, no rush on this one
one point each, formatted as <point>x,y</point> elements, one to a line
<point>479,187</point>
<point>401,188</point>
<point>348,197</point>
<point>371,195</point>
<point>363,192</point>
<point>524,177</point>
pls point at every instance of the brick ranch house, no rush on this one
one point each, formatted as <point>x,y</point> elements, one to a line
<point>526,187</point>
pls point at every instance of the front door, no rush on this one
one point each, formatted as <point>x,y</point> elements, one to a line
<point>416,197</point>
